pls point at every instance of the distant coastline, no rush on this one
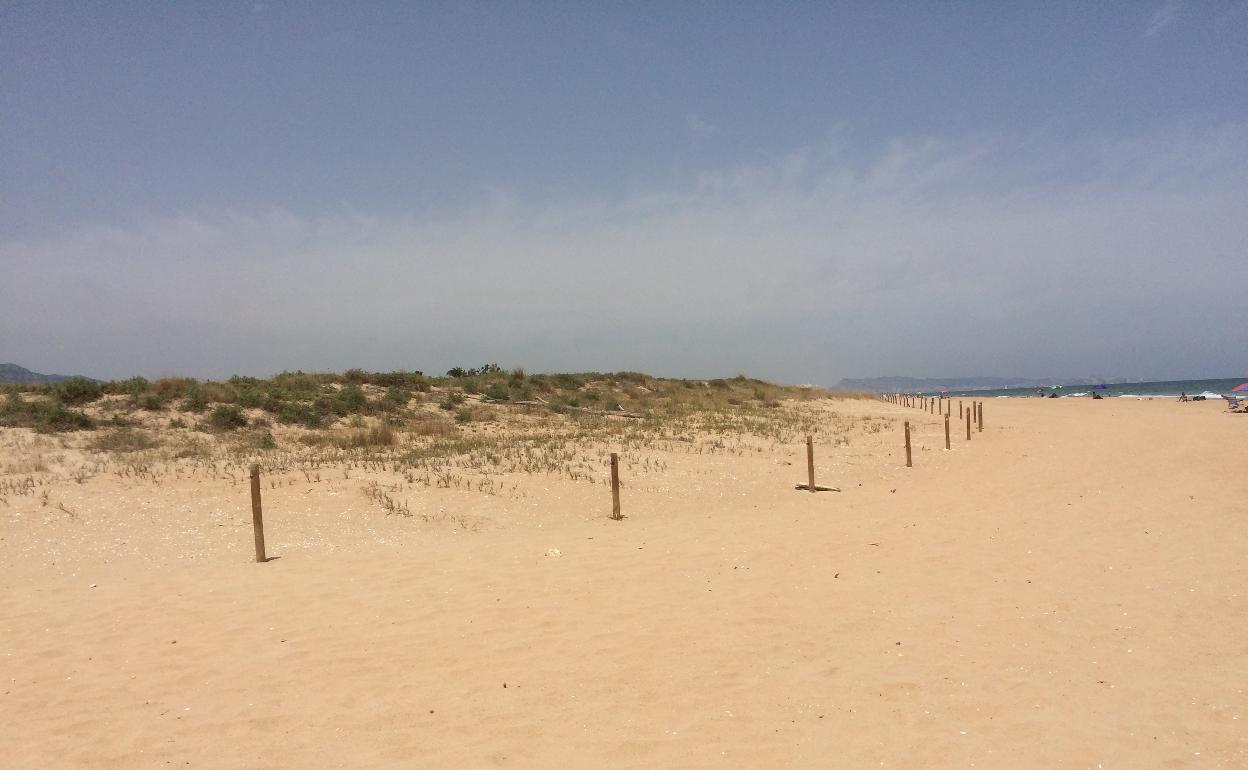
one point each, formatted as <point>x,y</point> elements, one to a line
<point>1209,388</point>
<point>12,374</point>
<point>937,384</point>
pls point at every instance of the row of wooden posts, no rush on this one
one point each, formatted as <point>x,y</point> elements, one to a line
<point>934,405</point>
<point>938,405</point>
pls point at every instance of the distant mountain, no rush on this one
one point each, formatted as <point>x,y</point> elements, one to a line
<point>12,374</point>
<point>937,384</point>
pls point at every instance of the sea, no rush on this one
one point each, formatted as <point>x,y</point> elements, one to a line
<point>1160,389</point>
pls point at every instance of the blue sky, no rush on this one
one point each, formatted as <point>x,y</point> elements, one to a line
<point>801,192</point>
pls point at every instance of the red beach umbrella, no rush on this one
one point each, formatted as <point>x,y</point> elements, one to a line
<point>1241,386</point>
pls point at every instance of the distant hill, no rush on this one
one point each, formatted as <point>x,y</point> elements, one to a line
<point>936,384</point>
<point>12,374</point>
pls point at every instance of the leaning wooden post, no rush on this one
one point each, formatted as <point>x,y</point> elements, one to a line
<point>946,431</point>
<point>968,424</point>
<point>257,516</point>
<point>615,487</point>
<point>908,463</point>
<point>810,461</point>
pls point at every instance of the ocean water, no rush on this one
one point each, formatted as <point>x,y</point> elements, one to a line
<point>1161,389</point>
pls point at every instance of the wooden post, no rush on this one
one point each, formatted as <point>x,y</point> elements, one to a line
<point>959,409</point>
<point>257,516</point>
<point>908,463</point>
<point>946,431</point>
<point>810,461</point>
<point>615,487</point>
<point>981,416</point>
<point>968,424</point>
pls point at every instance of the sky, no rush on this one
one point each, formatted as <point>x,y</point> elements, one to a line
<point>798,192</point>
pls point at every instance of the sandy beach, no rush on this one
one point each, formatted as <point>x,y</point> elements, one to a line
<point>1067,589</point>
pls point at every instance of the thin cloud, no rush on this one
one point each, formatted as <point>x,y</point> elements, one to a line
<point>697,125</point>
<point>931,256</point>
<point>1163,17</point>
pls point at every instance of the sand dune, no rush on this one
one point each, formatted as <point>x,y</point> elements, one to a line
<point>1068,589</point>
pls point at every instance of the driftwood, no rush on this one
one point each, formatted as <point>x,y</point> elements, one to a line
<point>818,488</point>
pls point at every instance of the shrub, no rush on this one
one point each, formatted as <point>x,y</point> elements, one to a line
<point>352,400</point>
<point>381,435</point>
<point>45,416</point>
<point>133,386</point>
<point>397,397</point>
<point>451,400</point>
<point>227,417</point>
<point>196,401</point>
<point>123,440</point>
<point>78,390</point>
<point>459,371</point>
<point>463,415</point>
<point>426,424</point>
<point>57,418</point>
<point>150,401</point>
<point>497,392</point>
<point>173,387</point>
<point>300,414</point>
<point>252,397</point>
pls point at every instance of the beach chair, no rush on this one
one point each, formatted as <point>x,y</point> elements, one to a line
<point>1233,403</point>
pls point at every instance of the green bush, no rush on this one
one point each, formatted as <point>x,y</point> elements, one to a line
<point>400,379</point>
<point>227,417</point>
<point>451,400</point>
<point>150,401</point>
<point>352,400</point>
<point>300,414</point>
<point>45,416</point>
<point>251,397</point>
<point>134,386</point>
<point>57,418</point>
<point>78,390</point>
<point>397,397</point>
<point>196,400</point>
<point>497,392</point>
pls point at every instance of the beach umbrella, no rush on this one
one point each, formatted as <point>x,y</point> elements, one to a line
<point>1241,386</point>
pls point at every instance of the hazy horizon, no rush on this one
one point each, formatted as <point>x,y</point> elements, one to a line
<point>800,195</point>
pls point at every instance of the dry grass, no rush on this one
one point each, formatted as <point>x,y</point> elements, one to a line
<point>388,436</point>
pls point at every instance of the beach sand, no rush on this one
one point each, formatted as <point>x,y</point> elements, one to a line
<point>1068,589</point>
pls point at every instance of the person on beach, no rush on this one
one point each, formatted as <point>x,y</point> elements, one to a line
<point>1182,396</point>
